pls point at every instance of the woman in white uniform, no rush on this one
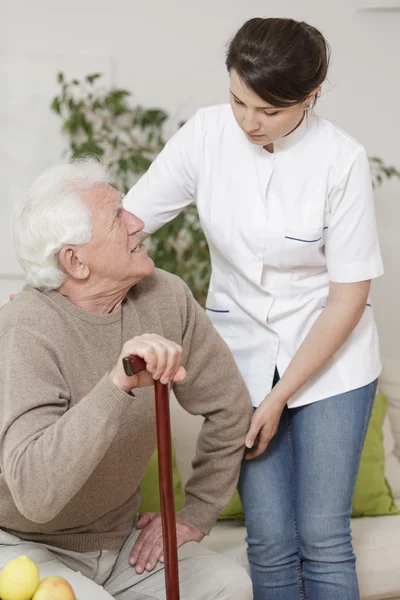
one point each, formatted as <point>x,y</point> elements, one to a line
<point>285,201</point>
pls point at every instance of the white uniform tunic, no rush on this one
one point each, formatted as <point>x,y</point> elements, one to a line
<point>279,227</point>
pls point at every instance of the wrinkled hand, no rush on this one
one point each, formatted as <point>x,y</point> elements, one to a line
<point>162,357</point>
<point>148,549</point>
<point>263,427</point>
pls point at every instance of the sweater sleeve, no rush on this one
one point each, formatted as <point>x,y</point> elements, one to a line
<point>48,450</point>
<point>213,388</point>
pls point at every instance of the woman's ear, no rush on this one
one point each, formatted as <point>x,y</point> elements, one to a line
<point>72,263</point>
<point>309,101</point>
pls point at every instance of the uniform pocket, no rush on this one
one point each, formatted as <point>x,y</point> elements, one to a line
<point>218,296</point>
<point>217,302</point>
<point>218,309</point>
<point>305,248</point>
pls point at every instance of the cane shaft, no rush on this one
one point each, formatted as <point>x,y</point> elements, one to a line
<point>166,491</point>
<point>132,365</point>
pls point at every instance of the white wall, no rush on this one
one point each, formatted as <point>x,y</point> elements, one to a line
<point>171,54</point>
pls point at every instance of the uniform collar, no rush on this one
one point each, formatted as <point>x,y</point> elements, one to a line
<point>288,141</point>
<point>295,136</point>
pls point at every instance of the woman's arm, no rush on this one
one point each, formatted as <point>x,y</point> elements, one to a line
<point>345,307</point>
<point>170,183</point>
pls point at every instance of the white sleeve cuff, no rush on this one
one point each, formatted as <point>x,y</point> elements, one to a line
<point>355,271</point>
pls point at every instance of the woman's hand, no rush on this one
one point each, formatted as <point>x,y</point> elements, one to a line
<point>345,307</point>
<point>264,425</point>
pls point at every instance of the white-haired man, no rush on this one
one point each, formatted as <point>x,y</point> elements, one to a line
<point>75,439</point>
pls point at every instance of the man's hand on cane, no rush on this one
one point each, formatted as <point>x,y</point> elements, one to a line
<point>162,358</point>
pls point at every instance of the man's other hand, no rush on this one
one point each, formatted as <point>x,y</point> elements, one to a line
<point>148,549</point>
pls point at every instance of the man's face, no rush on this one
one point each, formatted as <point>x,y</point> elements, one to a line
<point>114,255</point>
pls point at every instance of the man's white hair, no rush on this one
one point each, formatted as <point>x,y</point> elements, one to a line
<point>53,216</point>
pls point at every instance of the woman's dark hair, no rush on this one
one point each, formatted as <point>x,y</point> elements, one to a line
<point>281,60</point>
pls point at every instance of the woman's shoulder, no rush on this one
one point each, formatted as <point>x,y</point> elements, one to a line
<point>214,118</point>
<point>207,124</point>
<point>333,137</point>
<point>338,153</point>
<point>216,112</point>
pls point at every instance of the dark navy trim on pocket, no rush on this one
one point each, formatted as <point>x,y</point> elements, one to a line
<point>300,240</point>
<point>217,310</point>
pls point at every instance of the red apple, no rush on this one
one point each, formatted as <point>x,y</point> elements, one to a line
<point>54,588</point>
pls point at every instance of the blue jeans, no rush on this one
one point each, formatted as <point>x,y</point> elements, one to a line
<point>297,500</point>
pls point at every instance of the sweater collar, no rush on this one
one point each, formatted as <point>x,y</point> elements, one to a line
<point>54,296</point>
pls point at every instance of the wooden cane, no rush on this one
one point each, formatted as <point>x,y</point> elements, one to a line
<point>132,365</point>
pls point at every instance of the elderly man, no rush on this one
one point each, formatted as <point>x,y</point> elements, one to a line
<point>76,432</point>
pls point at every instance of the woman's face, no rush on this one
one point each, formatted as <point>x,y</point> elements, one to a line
<point>262,123</point>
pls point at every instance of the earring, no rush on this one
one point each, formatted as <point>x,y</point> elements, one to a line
<point>307,106</point>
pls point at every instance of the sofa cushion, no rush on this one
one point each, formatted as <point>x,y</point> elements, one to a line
<point>392,465</point>
<point>234,510</point>
<point>373,495</point>
<point>149,487</point>
<point>376,543</point>
<point>389,384</point>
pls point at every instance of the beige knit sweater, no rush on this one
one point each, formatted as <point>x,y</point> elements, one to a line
<point>74,447</point>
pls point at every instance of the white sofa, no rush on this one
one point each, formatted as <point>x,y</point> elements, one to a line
<point>376,540</point>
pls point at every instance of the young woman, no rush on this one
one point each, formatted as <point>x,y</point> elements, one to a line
<point>285,201</point>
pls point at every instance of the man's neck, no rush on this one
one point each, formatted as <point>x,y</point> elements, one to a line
<point>93,298</point>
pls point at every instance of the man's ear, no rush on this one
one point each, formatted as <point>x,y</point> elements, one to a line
<point>72,263</point>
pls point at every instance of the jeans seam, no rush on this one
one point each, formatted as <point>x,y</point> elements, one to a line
<point>299,573</point>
